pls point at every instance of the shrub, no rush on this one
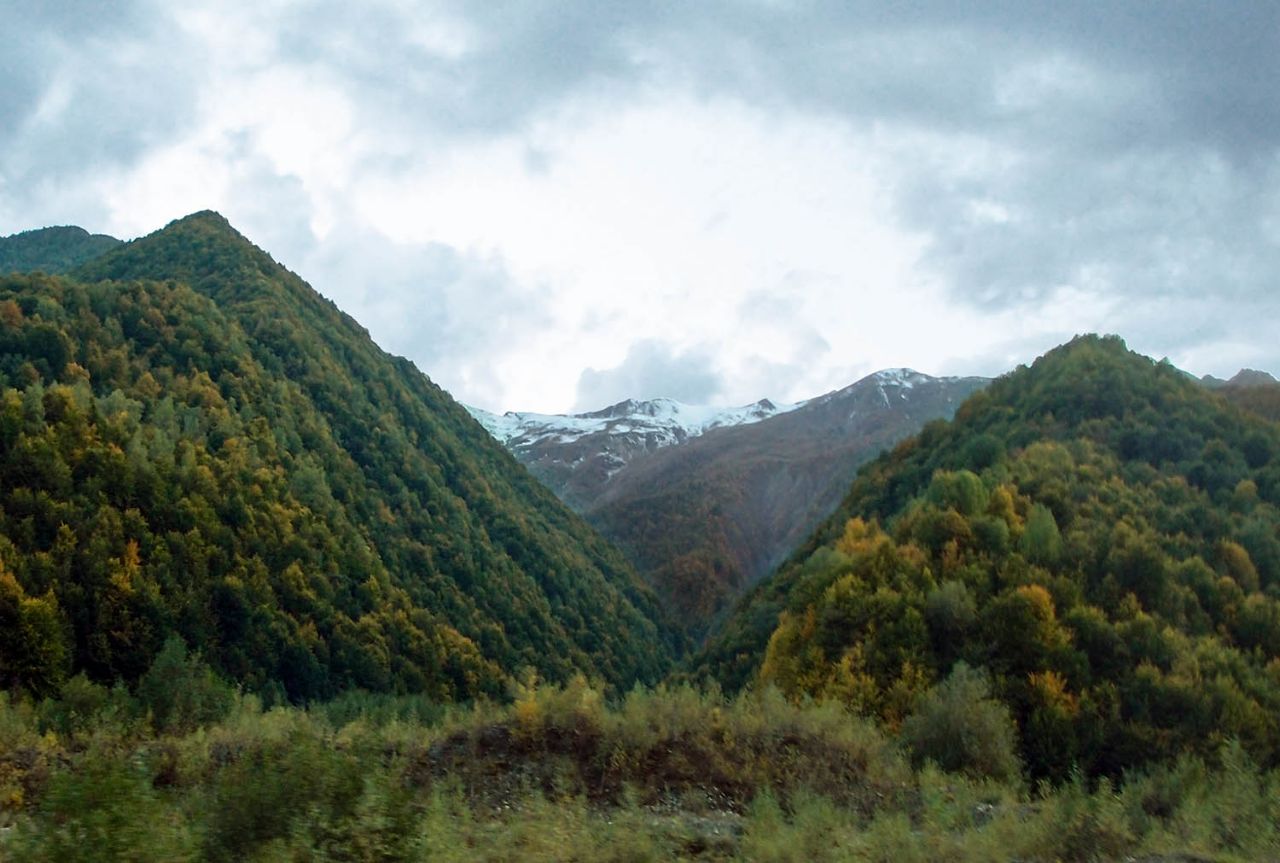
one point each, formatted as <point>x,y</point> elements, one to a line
<point>961,728</point>
<point>182,692</point>
<point>83,706</point>
<point>105,810</point>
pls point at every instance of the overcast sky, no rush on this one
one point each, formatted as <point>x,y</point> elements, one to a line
<point>551,206</point>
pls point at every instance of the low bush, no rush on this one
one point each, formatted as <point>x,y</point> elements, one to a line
<point>960,727</point>
<point>561,774</point>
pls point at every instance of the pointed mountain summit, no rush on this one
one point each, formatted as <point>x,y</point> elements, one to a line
<point>1251,378</point>
<point>198,443</point>
<point>1255,391</point>
<point>204,251</point>
<point>1099,533</point>
<point>1242,378</point>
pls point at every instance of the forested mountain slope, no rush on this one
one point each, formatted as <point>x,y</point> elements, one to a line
<point>52,250</point>
<point>1098,532</point>
<point>193,441</point>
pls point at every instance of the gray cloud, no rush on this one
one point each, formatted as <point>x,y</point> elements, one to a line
<point>652,369</point>
<point>1142,139</point>
<point>520,57</point>
<point>1130,150</point>
<point>1203,72</point>
<point>86,88</point>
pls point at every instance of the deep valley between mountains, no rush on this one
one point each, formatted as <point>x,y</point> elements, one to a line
<point>706,504</point>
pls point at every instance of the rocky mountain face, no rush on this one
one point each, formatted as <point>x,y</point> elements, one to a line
<point>706,502</point>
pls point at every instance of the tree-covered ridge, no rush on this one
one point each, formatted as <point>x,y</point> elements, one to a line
<point>1099,533</point>
<point>52,250</point>
<point>193,441</point>
<point>1260,398</point>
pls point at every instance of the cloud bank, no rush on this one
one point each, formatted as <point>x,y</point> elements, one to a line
<point>548,204</point>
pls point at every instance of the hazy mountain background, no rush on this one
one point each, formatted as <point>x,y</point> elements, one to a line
<point>578,454</point>
<point>704,514</point>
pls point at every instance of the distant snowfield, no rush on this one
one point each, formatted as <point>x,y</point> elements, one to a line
<point>668,419</point>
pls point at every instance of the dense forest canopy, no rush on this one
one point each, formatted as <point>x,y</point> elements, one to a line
<point>1098,533</point>
<point>193,441</point>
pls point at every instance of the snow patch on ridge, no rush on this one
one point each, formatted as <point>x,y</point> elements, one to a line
<point>663,422</point>
<point>667,419</point>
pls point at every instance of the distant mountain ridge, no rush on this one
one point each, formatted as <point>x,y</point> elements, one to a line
<point>1255,391</point>
<point>706,501</point>
<point>678,420</point>
<point>52,250</point>
<point>1242,378</point>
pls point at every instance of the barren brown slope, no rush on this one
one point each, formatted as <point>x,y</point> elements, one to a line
<point>705,520</point>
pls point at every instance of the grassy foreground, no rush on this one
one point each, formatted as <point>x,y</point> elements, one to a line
<point>560,775</point>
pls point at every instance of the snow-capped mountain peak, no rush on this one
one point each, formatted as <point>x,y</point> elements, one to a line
<point>903,377</point>
<point>579,455</point>
<point>661,421</point>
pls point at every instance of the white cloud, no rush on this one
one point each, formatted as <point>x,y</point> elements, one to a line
<point>652,367</point>
<point>654,221</point>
